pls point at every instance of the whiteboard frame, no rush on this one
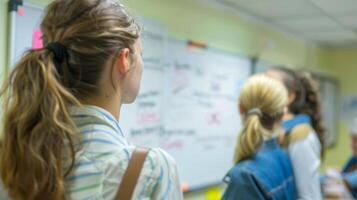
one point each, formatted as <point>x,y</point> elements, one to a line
<point>12,26</point>
<point>12,39</point>
<point>337,108</point>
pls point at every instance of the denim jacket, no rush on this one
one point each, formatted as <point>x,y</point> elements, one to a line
<point>267,175</point>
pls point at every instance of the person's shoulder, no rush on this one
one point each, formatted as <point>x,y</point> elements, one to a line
<point>351,162</point>
<point>306,137</point>
<point>300,132</point>
<point>244,168</point>
<point>158,158</point>
<point>158,163</point>
<point>257,163</point>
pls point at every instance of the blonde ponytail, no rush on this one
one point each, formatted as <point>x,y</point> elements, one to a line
<point>250,138</point>
<point>267,98</point>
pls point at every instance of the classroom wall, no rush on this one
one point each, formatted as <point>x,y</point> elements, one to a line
<point>187,19</point>
<point>340,61</point>
<point>342,64</point>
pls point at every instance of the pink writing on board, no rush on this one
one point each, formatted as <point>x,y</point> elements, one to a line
<point>214,118</point>
<point>21,11</point>
<point>37,42</point>
<point>173,144</point>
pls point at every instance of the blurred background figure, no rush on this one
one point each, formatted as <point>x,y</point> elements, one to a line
<point>343,184</point>
<point>262,102</point>
<point>303,129</point>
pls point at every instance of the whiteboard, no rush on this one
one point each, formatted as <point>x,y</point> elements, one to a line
<point>23,26</point>
<point>201,119</point>
<point>187,104</point>
<point>329,92</point>
<point>141,120</point>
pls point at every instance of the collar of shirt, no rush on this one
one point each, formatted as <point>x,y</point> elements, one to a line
<point>102,115</point>
<point>350,163</point>
<point>288,125</point>
<point>271,143</point>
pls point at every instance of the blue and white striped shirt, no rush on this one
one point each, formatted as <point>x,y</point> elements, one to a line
<point>103,159</point>
<point>104,156</point>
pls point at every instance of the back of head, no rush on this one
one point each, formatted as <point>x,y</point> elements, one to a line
<point>292,82</point>
<point>39,136</point>
<point>263,100</point>
<point>307,97</point>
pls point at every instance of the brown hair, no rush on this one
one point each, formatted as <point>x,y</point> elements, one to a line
<point>39,136</point>
<point>307,100</point>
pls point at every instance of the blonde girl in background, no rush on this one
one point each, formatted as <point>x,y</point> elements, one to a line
<point>263,170</point>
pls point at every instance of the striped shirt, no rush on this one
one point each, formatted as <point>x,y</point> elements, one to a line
<point>104,156</point>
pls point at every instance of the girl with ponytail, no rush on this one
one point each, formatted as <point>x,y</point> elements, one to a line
<point>61,137</point>
<point>263,170</point>
<point>304,133</point>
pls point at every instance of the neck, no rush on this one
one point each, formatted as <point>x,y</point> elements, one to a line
<point>110,102</point>
<point>288,116</point>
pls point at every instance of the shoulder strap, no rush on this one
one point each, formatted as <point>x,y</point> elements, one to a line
<point>132,173</point>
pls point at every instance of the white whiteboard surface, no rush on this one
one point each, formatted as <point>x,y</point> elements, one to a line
<point>187,103</point>
<point>201,117</point>
<point>141,120</point>
<point>329,91</point>
<point>23,26</point>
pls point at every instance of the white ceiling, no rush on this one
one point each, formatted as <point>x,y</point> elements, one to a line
<point>331,23</point>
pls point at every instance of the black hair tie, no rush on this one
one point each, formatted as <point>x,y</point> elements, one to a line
<point>59,51</point>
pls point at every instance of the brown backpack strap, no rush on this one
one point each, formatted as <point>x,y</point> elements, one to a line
<point>132,173</point>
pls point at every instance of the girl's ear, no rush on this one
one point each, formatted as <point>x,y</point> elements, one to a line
<point>280,116</point>
<point>291,97</point>
<point>122,63</point>
<point>242,110</point>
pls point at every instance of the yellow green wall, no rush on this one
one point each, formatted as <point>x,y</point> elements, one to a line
<point>342,64</point>
<point>188,19</point>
